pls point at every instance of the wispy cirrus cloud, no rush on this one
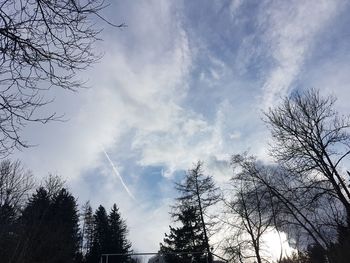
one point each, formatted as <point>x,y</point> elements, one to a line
<point>290,29</point>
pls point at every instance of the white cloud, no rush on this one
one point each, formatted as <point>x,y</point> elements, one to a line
<point>139,93</point>
<point>188,140</point>
<point>133,88</point>
<point>331,77</point>
<point>235,135</point>
<point>290,30</point>
<point>136,87</point>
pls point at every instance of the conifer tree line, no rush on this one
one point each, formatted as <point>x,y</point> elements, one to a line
<point>44,224</point>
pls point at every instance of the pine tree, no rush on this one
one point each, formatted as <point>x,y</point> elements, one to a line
<point>35,230</point>
<point>118,235</point>
<point>88,229</point>
<point>65,228</point>
<point>189,237</point>
<point>197,194</point>
<point>8,232</point>
<point>109,236</point>
<point>101,239</point>
<point>50,230</point>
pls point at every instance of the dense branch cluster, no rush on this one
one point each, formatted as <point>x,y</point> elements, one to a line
<point>307,189</point>
<point>43,44</point>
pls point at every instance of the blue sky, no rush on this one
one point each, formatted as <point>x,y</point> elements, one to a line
<point>186,80</point>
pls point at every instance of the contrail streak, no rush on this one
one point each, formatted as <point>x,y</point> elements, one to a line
<point>118,174</point>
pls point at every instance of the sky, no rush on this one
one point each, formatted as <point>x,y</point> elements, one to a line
<point>184,81</point>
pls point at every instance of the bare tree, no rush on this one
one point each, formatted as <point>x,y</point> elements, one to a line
<point>53,184</point>
<point>311,139</point>
<point>294,207</point>
<point>249,215</point>
<point>15,184</point>
<point>308,185</point>
<point>43,45</point>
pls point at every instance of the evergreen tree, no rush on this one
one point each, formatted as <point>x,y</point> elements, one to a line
<point>197,194</point>
<point>50,230</point>
<point>189,237</point>
<point>88,229</point>
<point>8,232</point>
<point>102,239</point>
<point>118,236</point>
<point>65,231</point>
<point>109,236</point>
<point>35,229</point>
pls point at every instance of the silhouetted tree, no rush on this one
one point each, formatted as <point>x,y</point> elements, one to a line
<point>43,45</point>
<point>102,236</point>
<point>35,229</point>
<point>340,250</point>
<point>197,193</point>
<point>297,213</point>
<point>15,184</point>
<point>317,254</point>
<point>88,229</point>
<point>186,238</point>
<point>311,139</point>
<point>46,228</point>
<point>119,243</point>
<point>50,229</point>
<point>248,221</point>
<point>53,184</point>
<point>65,227</point>
<point>8,232</point>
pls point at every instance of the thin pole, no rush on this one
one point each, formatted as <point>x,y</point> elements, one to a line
<point>151,253</point>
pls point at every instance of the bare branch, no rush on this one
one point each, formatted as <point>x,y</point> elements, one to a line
<point>43,45</point>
